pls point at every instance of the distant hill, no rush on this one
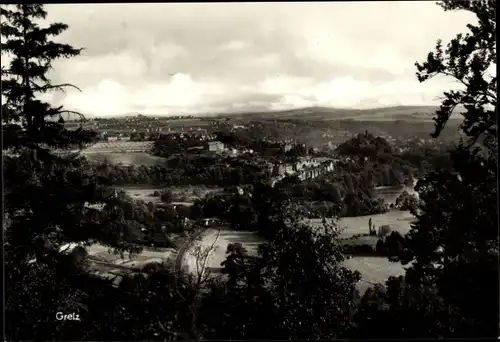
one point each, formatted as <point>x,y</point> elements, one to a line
<point>407,113</point>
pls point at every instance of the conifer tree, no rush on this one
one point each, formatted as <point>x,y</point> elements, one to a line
<point>47,195</point>
<point>27,120</point>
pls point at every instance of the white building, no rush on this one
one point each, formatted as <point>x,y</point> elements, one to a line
<point>215,146</point>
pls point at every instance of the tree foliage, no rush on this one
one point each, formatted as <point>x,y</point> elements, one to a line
<point>48,196</point>
<point>451,286</point>
<point>27,119</point>
<point>295,288</point>
<point>468,59</point>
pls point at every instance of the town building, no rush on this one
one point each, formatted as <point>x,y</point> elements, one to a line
<point>215,146</point>
<point>283,170</point>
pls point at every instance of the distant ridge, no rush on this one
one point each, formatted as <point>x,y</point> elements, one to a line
<point>419,113</point>
<point>408,113</point>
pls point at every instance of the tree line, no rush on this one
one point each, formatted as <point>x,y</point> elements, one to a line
<point>187,174</point>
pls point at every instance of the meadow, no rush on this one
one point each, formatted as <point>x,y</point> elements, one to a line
<point>373,269</point>
<point>398,220</point>
<point>126,158</point>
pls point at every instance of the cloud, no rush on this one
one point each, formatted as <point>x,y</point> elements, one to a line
<point>186,57</point>
<point>126,65</point>
<point>234,45</point>
<point>348,92</point>
<point>181,94</point>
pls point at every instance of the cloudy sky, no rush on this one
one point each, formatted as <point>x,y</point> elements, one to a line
<point>204,58</point>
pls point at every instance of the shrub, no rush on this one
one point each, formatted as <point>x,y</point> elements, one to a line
<point>363,249</point>
<point>381,247</point>
<point>384,230</point>
<point>167,196</point>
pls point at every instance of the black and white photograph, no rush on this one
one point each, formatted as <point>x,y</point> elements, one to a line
<point>250,171</point>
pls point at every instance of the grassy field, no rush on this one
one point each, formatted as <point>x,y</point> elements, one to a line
<point>398,220</point>
<point>373,269</point>
<point>249,240</point>
<point>119,146</point>
<point>136,158</point>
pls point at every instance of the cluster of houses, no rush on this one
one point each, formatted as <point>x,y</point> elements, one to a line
<point>305,168</point>
<point>218,147</point>
<point>237,127</point>
<point>118,137</point>
<point>155,133</point>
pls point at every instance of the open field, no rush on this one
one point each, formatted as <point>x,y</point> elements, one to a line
<point>126,158</point>
<point>119,146</point>
<point>373,269</point>
<point>398,220</point>
<point>249,240</point>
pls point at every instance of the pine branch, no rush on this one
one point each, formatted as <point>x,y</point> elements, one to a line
<point>56,86</point>
<point>73,112</point>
